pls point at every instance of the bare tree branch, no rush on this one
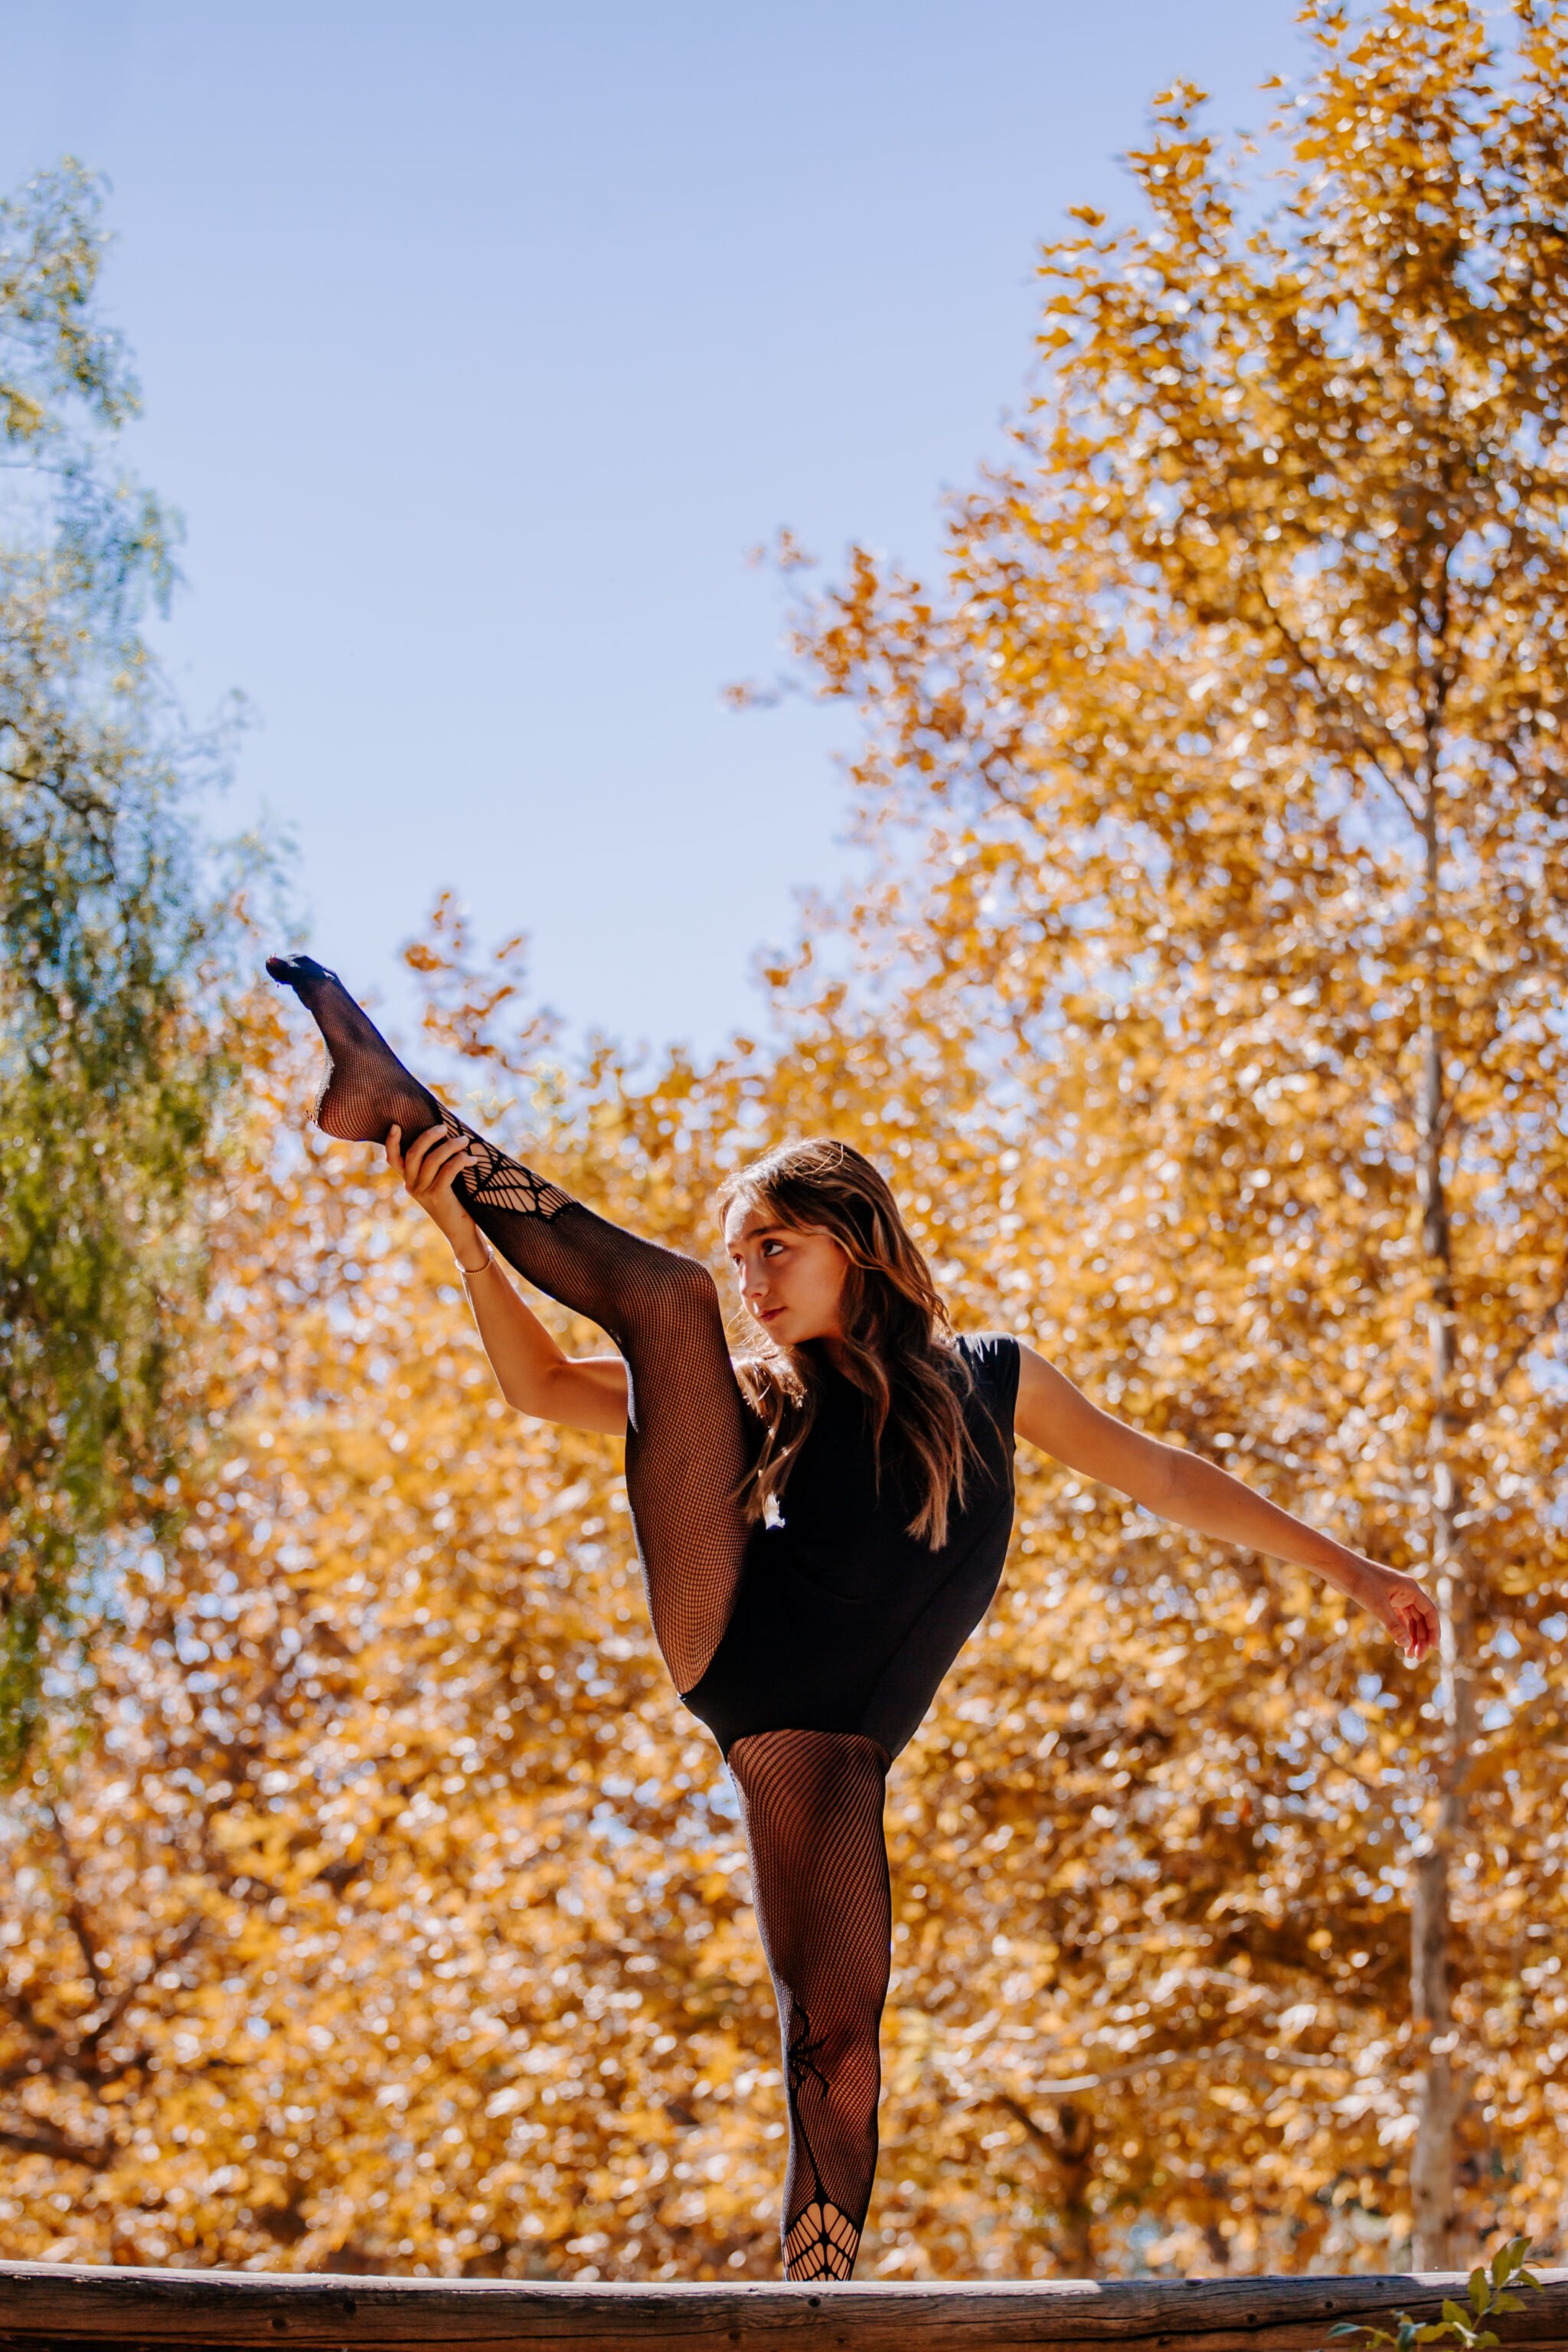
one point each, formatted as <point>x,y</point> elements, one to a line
<point>1219,2054</point>
<point>43,2139</point>
<point>1360,722</point>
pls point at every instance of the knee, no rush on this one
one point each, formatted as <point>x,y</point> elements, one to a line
<point>842,2049</point>
<point>857,2031</point>
<point>684,1286</point>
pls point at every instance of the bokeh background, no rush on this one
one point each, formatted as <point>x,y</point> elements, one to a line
<point>1189,941</point>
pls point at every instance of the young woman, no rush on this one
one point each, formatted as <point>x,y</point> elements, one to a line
<point>821,1524</point>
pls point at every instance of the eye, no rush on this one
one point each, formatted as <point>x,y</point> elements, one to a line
<point>769,1246</point>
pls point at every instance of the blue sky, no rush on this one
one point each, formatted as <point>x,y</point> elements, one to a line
<point>479,345</point>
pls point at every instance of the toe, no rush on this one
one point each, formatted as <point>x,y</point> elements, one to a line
<point>291,970</point>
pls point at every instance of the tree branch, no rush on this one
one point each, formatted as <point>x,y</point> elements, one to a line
<point>1072,2087</point>
<point>43,2139</point>
<point>1360,722</point>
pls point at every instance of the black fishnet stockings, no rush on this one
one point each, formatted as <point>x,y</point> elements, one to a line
<point>686,1436</point>
<point>813,1808</point>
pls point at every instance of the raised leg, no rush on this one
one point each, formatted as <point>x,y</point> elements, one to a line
<point>811,1802</point>
<point>687,1440</point>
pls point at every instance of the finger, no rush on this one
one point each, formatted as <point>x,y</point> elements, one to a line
<point>413,1157</point>
<point>394,1148</point>
<point>441,1179</point>
<point>1402,1626</point>
<point>442,1163</point>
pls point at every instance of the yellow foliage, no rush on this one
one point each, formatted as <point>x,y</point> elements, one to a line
<point>393,1913</point>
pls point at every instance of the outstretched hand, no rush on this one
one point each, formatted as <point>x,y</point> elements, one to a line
<point>429,1168</point>
<point>1400,1605</point>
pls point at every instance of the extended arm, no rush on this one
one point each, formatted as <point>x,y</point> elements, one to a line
<point>1183,1487</point>
<point>535,1377</point>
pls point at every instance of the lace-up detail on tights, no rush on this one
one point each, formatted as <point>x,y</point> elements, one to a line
<point>494,1182</point>
<point>813,1810</point>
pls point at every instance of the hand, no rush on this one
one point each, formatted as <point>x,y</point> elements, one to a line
<point>427,1169</point>
<point>1400,1605</point>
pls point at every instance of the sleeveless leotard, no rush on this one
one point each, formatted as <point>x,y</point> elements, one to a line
<point>843,1621</point>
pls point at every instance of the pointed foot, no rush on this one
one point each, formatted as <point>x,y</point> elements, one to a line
<point>298,970</point>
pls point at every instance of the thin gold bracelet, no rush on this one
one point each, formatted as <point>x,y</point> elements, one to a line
<point>469,1272</point>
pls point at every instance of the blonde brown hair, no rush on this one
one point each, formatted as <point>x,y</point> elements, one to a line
<point>898,1344</point>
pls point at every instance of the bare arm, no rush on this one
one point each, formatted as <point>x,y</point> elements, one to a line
<point>535,1377</point>
<point>1184,1488</point>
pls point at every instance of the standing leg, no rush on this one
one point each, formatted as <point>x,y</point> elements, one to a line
<point>687,1451</point>
<point>813,1808</point>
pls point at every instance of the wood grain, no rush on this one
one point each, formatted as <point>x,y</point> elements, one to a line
<point>44,2304</point>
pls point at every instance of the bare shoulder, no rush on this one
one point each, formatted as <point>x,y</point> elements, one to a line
<point>1054,1414</point>
<point>1042,1384</point>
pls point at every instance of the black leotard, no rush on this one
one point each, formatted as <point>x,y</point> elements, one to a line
<point>844,1621</point>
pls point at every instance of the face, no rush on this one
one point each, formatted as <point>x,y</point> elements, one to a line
<point>791,1282</point>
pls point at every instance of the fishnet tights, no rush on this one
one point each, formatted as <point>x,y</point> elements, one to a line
<point>812,1801</point>
<point>685,1437</point>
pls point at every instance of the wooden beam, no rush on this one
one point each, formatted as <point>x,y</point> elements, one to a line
<point>57,2305</point>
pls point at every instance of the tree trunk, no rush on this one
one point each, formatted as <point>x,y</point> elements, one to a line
<point>1068,2140</point>
<point>1075,2156</point>
<point>1432,2177</point>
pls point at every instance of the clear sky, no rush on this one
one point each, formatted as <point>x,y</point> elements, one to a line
<point>479,345</point>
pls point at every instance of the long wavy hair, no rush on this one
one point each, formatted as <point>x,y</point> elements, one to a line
<point>898,1344</point>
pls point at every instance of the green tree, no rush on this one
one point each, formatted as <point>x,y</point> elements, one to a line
<point>1231,745</point>
<point>113,1063</point>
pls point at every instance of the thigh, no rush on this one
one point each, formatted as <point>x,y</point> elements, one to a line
<point>813,1803</point>
<point>688,1454</point>
<point>688,1427</point>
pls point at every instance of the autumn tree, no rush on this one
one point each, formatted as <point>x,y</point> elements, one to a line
<point>1208,1025</point>
<point>1222,781</point>
<point>111,1013</point>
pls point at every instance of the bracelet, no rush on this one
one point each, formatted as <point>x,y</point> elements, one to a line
<point>468,1272</point>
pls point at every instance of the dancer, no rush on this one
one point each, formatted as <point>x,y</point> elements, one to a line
<point>822,1523</point>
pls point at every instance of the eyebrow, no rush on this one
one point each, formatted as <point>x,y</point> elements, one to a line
<point>750,1232</point>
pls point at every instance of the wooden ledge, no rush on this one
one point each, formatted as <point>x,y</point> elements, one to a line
<point>47,2304</point>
